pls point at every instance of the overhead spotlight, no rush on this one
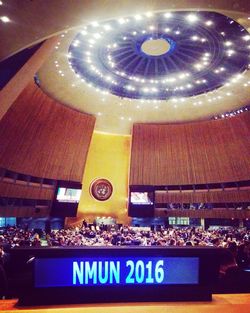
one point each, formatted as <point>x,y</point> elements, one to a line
<point>95,24</point>
<point>230,52</point>
<point>192,18</point>
<point>1,3</point>
<point>122,21</point>
<point>4,19</point>
<point>194,38</point>
<point>107,27</point>
<point>246,38</point>
<point>138,17</point>
<point>168,15</point>
<point>209,23</point>
<point>149,14</point>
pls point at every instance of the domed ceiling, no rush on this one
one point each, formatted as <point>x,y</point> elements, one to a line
<point>153,66</point>
<point>162,55</point>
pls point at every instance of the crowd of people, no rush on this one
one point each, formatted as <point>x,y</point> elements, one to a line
<point>232,270</point>
<point>237,240</point>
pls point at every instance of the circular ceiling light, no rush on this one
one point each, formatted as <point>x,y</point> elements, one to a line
<point>155,47</point>
<point>171,57</point>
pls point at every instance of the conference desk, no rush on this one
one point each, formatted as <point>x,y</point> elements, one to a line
<point>221,303</point>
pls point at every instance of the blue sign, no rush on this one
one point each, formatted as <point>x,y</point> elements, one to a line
<point>103,271</point>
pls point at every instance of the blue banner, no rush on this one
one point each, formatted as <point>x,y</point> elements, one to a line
<point>98,271</point>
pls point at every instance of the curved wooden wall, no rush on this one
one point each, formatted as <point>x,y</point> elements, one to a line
<point>24,211</point>
<point>192,153</point>
<point>43,138</point>
<point>26,192</point>
<point>206,197</point>
<point>215,213</point>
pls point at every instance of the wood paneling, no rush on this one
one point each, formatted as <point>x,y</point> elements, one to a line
<point>192,153</point>
<point>24,211</point>
<point>43,138</point>
<point>206,197</point>
<point>26,192</point>
<point>215,213</point>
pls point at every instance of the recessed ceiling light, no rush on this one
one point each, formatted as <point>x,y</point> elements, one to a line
<point>149,14</point>
<point>95,24</point>
<point>107,27</point>
<point>138,17</point>
<point>1,3</point>
<point>209,23</point>
<point>230,52</point>
<point>4,19</point>
<point>192,18</point>
<point>168,15</point>
<point>246,38</point>
<point>194,38</point>
<point>122,21</point>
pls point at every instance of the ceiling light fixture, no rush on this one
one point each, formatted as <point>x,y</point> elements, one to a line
<point>192,18</point>
<point>5,19</point>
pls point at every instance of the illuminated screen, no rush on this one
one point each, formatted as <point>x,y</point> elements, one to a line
<point>68,194</point>
<point>96,271</point>
<point>140,198</point>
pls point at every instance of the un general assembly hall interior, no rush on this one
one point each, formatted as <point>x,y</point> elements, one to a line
<point>118,114</point>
